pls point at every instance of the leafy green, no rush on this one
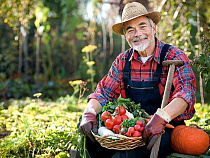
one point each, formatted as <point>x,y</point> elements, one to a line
<point>128,123</point>
<point>39,128</point>
<point>131,122</point>
<point>130,105</point>
<point>110,106</point>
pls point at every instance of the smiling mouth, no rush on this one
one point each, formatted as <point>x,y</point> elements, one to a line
<point>139,39</point>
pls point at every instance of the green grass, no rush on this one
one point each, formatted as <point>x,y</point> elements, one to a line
<point>201,117</point>
<point>40,128</point>
<point>48,129</point>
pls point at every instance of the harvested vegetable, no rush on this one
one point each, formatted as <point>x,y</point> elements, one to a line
<point>124,117</point>
<point>104,131</point>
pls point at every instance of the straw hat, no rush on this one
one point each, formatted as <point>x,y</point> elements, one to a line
<point>132,11</point>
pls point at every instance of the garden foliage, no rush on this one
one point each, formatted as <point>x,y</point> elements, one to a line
<point>40,128</point>
<point>47,129</point>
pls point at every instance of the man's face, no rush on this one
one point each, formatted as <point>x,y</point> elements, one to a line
<point>139,33</point>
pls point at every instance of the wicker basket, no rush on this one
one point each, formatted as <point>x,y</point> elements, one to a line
<point>119,142</point>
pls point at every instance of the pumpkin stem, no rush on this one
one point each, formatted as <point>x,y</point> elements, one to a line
<point>194,125</point>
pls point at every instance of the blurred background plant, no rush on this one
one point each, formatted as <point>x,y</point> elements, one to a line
<point>88,50</point>
<point>42,47</point>
<point>79,86</point>
<point>43,42</point>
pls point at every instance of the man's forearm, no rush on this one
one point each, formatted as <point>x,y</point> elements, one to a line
<point>95,104</point>
<point>176,107</point>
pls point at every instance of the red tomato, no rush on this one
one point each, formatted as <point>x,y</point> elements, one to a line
<point>141,129</point>
<point>120,110</point>
<point>131,130</point>
<point>117,120</point>
<point>123,130</point>
<point>139,122</point>
<point>136,134</point>
<point>109,124</point>
<point>124,117</point>
<point>128,134</point>
<point>137,127</point>
<point>116,129</point>
<point>106,115</point>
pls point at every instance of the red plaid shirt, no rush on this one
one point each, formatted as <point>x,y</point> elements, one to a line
<point>112,85</point>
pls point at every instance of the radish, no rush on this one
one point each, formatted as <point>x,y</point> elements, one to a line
<point>137,127</point>
<point>136,134</point>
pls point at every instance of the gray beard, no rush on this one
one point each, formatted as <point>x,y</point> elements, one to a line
<point>141,48</point>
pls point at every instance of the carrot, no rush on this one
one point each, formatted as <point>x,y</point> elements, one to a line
<point>148,119</point>
<point>169,126</point>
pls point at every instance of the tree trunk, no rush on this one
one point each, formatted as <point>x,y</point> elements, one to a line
<point>111,42</point>
<point>24,39</point>
<point>104,43</point>
<point>47,62</point>
<point>37,61</point>
<point>20,58</point>
<point>113,12</point>
<point>44,66</point>
<point>201,89</point>
<point>25,50</point>
<point>200,51</point>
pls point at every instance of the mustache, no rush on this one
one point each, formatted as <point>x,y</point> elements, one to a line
<point>139,38</point>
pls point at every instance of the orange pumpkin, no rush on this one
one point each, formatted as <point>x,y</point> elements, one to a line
<point>189,140</point>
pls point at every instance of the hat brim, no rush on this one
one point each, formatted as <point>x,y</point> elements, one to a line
<point>155,16</point>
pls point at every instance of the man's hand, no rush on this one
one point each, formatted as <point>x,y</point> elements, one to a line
<point>87,124</point>
<point>154,128</point>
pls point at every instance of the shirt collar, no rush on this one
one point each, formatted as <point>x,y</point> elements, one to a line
<point>134,55</point>
<point>156,55</point>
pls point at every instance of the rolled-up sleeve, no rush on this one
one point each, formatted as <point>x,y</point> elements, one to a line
<point>185,86</point>
<point>108,89</point>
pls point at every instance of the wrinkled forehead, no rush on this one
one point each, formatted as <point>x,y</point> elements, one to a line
<point>136,21</point>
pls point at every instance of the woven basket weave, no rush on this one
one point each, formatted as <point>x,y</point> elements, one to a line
<point>119,142</point>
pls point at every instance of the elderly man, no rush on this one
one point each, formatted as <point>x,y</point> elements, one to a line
<point>138,74</point>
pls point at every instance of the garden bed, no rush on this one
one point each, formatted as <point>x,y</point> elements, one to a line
<point>44,128</point>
